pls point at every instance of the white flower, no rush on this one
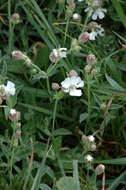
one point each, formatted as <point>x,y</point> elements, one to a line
<point>88,158</point>
<point>98,13</point>
<point>61,52</point>
<point>95,32</point>
<point>58,54</point>
<point>80,0</point>
<point>91,138</point>
<point>95,10</point>
<point>76,16</point>
<point>71,84</point>
<point>10,88</point>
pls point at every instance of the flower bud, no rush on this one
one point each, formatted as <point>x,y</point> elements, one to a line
<point>18,55</point>
<point>14,115</point>
<point>61,2</point>
<point>94,72</point>
<point>33,71</point>
<point>76,16</point>
<point>93,25</point>
<point>91,59</point>
<point>15,18</point>
<point>100,169</point>
<point>28,62</point>
<point>73,73</point>
<point>84,138</point>
<point>18,133</point>
<point>93,147</point>
<point>74,45</point>
<point>103,106</point>
<point>83,37</point>
<point>2,90</point>
<point>87,68</point>
<point>55,86</point>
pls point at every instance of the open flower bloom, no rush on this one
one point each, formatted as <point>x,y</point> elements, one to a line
<point>95,30</point>
<point>95,10</point>
<point>10,89</point>
<point>58,54</point>
<point>88,158</point>
<point>71,84</point>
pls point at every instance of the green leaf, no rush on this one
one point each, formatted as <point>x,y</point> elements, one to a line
<point>83,117</point>
<point>60,184</point>
<point>57,145</point>
<point>114,84</point>
<point>116,161</point>
<point>119,11</point>
<point>44,187</point>
<point>76,175</point>
<point>117,181</point>
<point>62,131</point>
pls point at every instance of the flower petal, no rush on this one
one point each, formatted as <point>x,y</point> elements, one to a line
<point>75,92</point>
<point>66,83</point>
<point>101,14</point>
<point>92,35</point>
<point>10,88</point>
<point>95,15</point>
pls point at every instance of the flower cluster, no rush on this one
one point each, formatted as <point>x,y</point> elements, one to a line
<point>91,67</point>
<point>89,142</point>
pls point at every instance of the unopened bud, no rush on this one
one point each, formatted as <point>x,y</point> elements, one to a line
<point>28,62</point>
<point>84,138</point>
<point>100,169</point>
<point>94,72</point>
<point>55,86</point>
<point>103,106</point>
<point>14,115</point>
<point>15,18</point>
<point>75,46</point>
<point>18,55</point>
<point>52,57</point>
<point>61,2</point>
<point>83,37</point>
<point>93,147</point>
<point>33,71</point>
<point>73,73</point>
<point>88,68</point>
<point>18,133</point>
<point>91,59</point>
<point>92,25</point>
<point>76,16</point>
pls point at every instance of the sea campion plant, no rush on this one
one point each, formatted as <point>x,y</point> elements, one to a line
<point>62,95</point>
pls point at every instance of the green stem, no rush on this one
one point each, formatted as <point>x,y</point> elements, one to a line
<point>12,148</point>
<point>85,23</point>
<point>48,87</point>
<point>10,28</point>
<point>54,115</point>
<point>66,30</point>
<point>89,98</point>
